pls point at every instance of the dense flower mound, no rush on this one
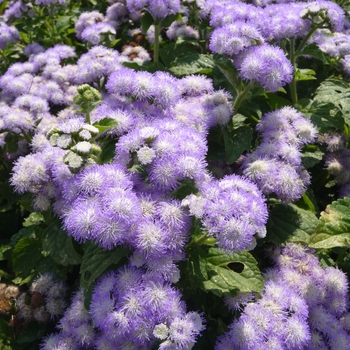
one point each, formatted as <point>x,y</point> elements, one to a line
<point>232,210</point>
<point>129,309</point>
<point>303,306</point>
<point>276,163</point>
<point>47,300</point>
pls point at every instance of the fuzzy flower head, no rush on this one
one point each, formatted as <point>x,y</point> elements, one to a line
<point>234,38</point>
<point>265,64</point>
<point>233,210</point>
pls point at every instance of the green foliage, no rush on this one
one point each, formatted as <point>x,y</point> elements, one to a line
<point>333,229</point>
<point>289,223</point>
<point>223,273</point>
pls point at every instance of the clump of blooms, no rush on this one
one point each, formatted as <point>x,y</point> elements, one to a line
<point>303,306</point>
<point>157,8</point>
<point>75,327</point>
<point>129,308</point>
<point>181,29</point>
<point>8,34</point>
<point>232,210</point>
<point>275,166</point>
<point>265,64</point>
<point>44,301</point>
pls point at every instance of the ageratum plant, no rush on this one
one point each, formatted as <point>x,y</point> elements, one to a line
<point>174,175</point>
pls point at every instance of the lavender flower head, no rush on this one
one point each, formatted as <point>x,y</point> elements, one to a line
<point>234,38</point>
<point>8,34</point>
<point>157,8</point>
<point>265,64</point>
<point>232,210</point>
<point>296,310</point>
<point>275,166</point>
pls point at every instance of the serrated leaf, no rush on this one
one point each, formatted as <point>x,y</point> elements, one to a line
<point>26,255</point>
<point>289,223</point>
<point>191,64</point>
<point>335,91</point>
<point>324,115</point>
<point>237,141</point>
<point>333,229</point>
<point>96,260</point>
<point>60,246</point>
<point>223,280</point>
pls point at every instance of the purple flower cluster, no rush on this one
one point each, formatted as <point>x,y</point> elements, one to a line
<point>241,31</point>
<point>157,8</point>
<point>75,328</point>
<point>129,309</point>
<point>181,29</point>
<point>232,210</point>
<point>303,306</point>
<point>8,34</point>
<point>93,26</point>
<point>265,64</point>
<point>275,166</point>
<point>47,300</point>
<point>338,161</point>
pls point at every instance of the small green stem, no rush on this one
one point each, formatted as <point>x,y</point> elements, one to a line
<point>241,97</point>
<point>302,45</point>
<point>156,43</point>
<point>200,240</point>
<point>4,57</point>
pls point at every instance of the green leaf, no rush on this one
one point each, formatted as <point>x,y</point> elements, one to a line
<point>289,223</point>
<point>95,262</point>
<point>311,157</point>
<point>59,246</point>
<point>237,141</point>
<point>63,23</point>
<point>33,219</point>
<point>305,74</point>
<point>314,51</point>
<point>221,277</point>
<point>5,333</point>
<point>30,333</point>
<point>4,249</point>
<point>275,101</point>
<point>146,21</point>
<point>325,115</point>
<point>333,229</point>
<point>171,52</point>
<point>108,150</point>
<point>335,91</point>
<point>105,124</point>
<point>192,64</point>
<point>166,22</point>
<point>26,255</point>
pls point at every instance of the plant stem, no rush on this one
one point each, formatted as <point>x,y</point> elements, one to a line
<point>241,97</point>
<point>308,36</point>
<point>156,43</point>
<point>200,240</point>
